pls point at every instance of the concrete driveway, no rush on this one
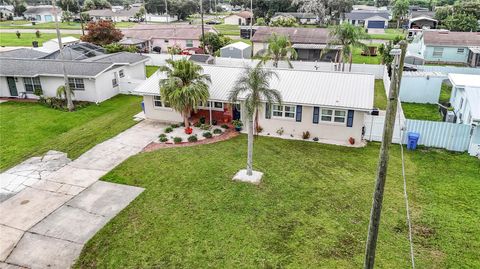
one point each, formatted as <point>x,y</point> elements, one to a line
<point>46,223</point>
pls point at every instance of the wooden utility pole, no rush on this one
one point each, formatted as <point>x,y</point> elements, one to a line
<point>68,94</point>
<point>203,29</point>
<point>399,56</point>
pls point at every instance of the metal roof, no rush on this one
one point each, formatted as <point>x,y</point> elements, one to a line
<point>314,88</point>
<point>118,58</point>
<point>422,18</point>
<point>464,80</point>
<point>238,45</point>
<point>423,74</point>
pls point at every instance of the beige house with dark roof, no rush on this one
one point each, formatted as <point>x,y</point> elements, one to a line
<point>308,42</point>
<point>241,18</point>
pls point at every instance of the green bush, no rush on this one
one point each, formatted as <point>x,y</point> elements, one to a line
<point>217,131</point>
<point>162,135</point>
<point>163,139</point>
<point>224,126</point>
<point>205,127</point>
<point>202,120</point>
<point>177,140</point>
<point>192,138</point>
<point>168,130</point>
<point>175,125</point>
<point>207,135</point>
<point>197,124</point>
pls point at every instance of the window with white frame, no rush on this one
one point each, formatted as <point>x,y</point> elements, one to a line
<point>437,52</point>
<point>121,73</point>
<point>332,115</point>
<point>460,50</point>
<point>283,111</point>
<point>31,84</point>
<point>189,43</point>
<point>76,84</point>
<point>158,102</point>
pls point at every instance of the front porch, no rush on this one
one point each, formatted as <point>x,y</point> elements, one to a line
<point>216,113</point>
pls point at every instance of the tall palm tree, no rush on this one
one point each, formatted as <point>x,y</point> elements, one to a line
<point>185,86</point>
<point>348,37</point>
<point>253,86</point>
<point>279,49</point>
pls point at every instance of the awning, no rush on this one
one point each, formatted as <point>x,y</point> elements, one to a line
<point>314,46</point>
<point>475,50</point>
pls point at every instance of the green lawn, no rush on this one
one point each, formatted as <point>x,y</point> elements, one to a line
<point>358,58</point>
<point>150,69</point>
<point>228,29</point>
<point>25,40</point>
<point>30,129</point>
<point>445,93</point>
<point>389,34</point>
<point>51,25</point>
<point>416,111</point>
<point>311,210</point>
<point>380,100</point>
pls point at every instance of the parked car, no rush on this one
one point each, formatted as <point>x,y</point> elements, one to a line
<point>214,22</point>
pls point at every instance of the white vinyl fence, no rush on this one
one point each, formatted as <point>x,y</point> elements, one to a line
<point>375,69</point>
<point>450,136</point>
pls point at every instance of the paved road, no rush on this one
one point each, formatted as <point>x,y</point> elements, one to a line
<point>52,215</point>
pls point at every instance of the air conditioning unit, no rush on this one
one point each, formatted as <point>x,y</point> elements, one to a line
<point>450,117</point>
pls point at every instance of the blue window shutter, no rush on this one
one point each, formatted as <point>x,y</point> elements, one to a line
<point>350,118</point>
<point>268,112</point>
<point>299,114</point>
<point>316,113</point>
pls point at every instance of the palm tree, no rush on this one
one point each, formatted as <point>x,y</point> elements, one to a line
<point>279,49</point>
<point>348,37</point>
<point>185,86</point>
<point>253,86</point>
<point>62,92</point>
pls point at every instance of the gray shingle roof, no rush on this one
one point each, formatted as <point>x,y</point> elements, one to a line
<point>365,14</point>
<point>23,53</point>
<point>34,67</point>
<point>119,57</point>
<point>78,51</point>
<point>445,38</point>
<point>296,35</point>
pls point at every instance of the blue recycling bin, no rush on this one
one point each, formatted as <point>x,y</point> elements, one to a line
<point>412,140</point>
<point>143,107</point>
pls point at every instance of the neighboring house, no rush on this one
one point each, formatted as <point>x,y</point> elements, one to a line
<point>41,13</point>
<point>115,15</point>
<point>94,79</point>
<point>302,18</point>
<point>445,47</point>
<point>6,11</point>
<point>369,8</point>
<point>368,19</point>
<point>241,18</point>
<point>160,37</point>
<point>422,22</point>
<point>161,18</point>
<point>465,98</point>
<point>329,105</point>
<point>239,50</point>
<point>308,42</point>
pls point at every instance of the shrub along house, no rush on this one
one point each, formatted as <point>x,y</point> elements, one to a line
<point>329,105</point>
<point>93,79</point>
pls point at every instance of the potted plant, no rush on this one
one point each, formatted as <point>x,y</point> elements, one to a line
<point>238,125</point>
<point>351,140</point>
<point>188,130</point>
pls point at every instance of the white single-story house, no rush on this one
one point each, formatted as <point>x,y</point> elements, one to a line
<point>301,17</point>
<point>94,79</point>
<point>42,13</point>
<point>6,11</point>
<point>241,18</point>
<point>368,19</point>
<point>329,105</point>
<point>115,15</point>
<point>465,98</point>
<point>238,50</point>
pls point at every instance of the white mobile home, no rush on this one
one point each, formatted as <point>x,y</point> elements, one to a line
<point>329,105</point>
<point>465,98</point>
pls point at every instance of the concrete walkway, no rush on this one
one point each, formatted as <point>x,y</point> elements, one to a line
<point>47,222</point>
